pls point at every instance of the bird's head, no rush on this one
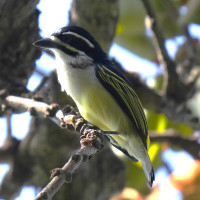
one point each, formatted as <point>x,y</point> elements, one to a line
<point>74,42</point>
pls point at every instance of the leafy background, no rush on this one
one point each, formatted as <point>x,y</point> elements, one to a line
<point>177,169</point>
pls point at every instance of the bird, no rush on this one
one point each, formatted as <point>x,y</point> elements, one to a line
<point>103,95</point>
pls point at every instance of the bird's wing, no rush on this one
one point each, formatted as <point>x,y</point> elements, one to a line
<point>117,85</point>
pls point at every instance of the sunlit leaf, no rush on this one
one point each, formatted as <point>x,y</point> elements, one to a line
<point>182,128</point>
<point>154,151</point>
<point>162,123</point>
<point>159,123</point>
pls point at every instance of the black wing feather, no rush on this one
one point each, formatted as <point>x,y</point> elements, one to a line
<point>117,85</point>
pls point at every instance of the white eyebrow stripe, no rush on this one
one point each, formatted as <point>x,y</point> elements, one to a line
<point>79,36</point>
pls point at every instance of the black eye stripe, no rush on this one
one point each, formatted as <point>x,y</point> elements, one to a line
<point>67,51</point>
<point>80,45</point>
<point>64,49</point>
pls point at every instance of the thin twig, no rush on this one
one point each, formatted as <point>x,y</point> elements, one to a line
<point>41,85</point>
<point>9,129</point>
<point>192,50</point>
<point>171,82</point>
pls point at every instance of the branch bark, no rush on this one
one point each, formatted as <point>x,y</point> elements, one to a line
<point>90,145</point>
<point>18,30</point>
<point>91,140</point>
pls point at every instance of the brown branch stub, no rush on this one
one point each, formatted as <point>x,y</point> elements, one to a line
<point>34,107</point>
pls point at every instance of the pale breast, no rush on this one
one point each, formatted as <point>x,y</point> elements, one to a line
<point>95,104</point>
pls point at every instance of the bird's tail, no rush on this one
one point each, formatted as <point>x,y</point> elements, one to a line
<point>148,169</point>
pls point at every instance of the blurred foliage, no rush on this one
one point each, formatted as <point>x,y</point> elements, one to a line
<point>167,13</point>
<point>173,16</point>
<point>134,39</point>
<point>159,123</point>
<point>132,194</point>
<point>135,173</point>
<point>189,182</point>
<point>183,51</point>
<point>191,14</point>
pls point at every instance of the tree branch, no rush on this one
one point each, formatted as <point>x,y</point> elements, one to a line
<point>157,102</point>
<point>171,79</point>
<point>191,145</point>
<point>90,145</point>
<point>91,138</point>
<point>21,104</point>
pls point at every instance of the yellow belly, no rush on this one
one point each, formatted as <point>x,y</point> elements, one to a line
<point>99,108</point>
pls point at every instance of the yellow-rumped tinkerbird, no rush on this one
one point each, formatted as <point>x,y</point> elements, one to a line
<point>102,94</point>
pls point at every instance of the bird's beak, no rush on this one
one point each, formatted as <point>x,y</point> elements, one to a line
<point>46,43</point>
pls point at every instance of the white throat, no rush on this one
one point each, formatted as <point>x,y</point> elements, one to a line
<point>75,74</point>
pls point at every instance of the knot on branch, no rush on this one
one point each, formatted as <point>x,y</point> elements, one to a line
<point>52,109</point>
<point>44,196</point>
<point>60,172</point>
<point>55,172</point>
<point>91,137</point>
<point>70,118</point>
